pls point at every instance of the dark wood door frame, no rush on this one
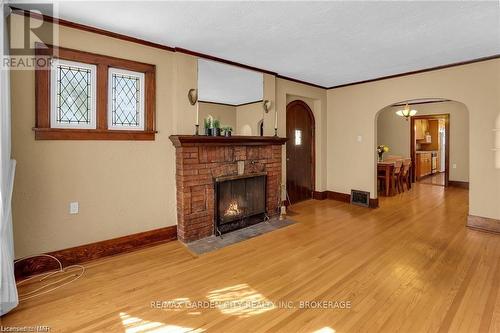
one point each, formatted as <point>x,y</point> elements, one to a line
<point>313,140</point>
<point>446,117</point>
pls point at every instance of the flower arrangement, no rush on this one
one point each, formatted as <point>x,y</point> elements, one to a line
<point>381,149</point>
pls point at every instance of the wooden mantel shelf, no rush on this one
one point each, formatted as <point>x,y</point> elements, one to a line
<point>236,140</point>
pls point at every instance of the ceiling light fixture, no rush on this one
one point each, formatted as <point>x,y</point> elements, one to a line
<point>406,112</point>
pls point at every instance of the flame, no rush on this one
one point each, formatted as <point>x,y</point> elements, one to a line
<point>233,209</point>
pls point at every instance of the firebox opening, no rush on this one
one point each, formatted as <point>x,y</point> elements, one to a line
<point>240,201</point>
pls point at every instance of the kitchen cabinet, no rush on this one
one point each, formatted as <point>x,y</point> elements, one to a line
<point>421,128</point>
<point>423,165</point>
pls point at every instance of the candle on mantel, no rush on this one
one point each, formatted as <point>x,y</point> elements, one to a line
<point>275,118</point>
<point>197,113</point>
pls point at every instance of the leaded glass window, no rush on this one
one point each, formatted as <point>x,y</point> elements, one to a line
<point>126,99</point>
<point>73,95</point>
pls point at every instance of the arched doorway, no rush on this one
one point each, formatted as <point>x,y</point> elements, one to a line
<point>300,151</point>
<point>445,148</point>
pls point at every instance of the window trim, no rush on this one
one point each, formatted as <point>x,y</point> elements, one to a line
<point>43,129</point>
<point>141,77</point>
<point>54,90</point>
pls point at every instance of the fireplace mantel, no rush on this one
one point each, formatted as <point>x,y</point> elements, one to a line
<point>201,160</point>
<point>236,140</point>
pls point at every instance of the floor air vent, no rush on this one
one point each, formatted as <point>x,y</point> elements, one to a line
<point>360,198</point>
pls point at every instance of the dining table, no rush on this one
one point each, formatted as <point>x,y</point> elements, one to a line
<point>387,167</point>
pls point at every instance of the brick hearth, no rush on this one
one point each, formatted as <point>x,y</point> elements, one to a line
<point>200,159</point>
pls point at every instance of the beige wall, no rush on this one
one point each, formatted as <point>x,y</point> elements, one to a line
<point>183,78</point>
<point>123,187</point>
<point>316,98</point>
<point>352,112</point>
<point>394,131</point>
<point>243,119</point>
<point>249,115</point>
<point>226,114</point>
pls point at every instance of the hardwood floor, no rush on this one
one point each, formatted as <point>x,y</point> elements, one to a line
<point>409,266</point>
<point>435,179</point>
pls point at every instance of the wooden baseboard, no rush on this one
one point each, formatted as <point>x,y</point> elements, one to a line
<point>338,196</point>
<point>319,195</point>
<point>483,224</point>
<point>456,183</point>
<point>88,252</point>
<point>374,203</point>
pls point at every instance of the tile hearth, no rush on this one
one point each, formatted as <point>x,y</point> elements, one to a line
<point>212,243</point>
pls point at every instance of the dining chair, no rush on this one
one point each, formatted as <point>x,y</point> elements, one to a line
<point>398,164</point>
<point>405,174</point>
<point>381,180</point>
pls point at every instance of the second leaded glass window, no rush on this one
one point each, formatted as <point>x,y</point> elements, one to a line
<point>126,99</point>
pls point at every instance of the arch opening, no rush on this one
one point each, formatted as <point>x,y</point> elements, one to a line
<point>435,139</point>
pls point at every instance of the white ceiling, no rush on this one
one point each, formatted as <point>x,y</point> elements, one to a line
<point>227,84</point>
<point>326,43</point>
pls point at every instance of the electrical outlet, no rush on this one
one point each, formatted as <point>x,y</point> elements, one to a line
<point>454,166</point>
<point>73,207</point>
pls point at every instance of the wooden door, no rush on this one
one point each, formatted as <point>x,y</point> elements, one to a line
<point>299,151</point>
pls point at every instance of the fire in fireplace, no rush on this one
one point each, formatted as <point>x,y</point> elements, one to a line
<point>240,201</point>
<point>233,209</point>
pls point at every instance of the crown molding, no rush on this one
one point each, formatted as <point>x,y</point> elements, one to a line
<point>461,63</point>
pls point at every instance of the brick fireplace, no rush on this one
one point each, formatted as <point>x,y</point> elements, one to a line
<point>202,159</point>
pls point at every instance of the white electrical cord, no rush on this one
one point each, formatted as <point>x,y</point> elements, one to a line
<point>38,292</point>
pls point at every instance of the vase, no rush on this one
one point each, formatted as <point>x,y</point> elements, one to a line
<point>380,157</point>
<point>215,131</point>
<point>208,131</point>
<point>228,133</point>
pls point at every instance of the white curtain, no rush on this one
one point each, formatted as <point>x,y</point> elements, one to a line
<point>8,291</point>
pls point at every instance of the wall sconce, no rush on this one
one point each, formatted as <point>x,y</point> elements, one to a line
<point>266,105</point>
<point>193,96</point>
<point>193,99</point>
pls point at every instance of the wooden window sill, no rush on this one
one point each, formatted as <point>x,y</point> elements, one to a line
<point>92,134</point>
